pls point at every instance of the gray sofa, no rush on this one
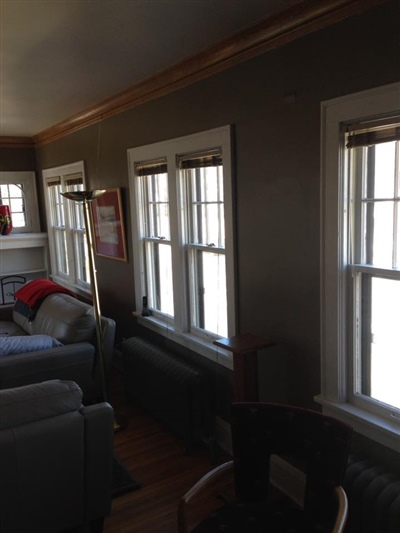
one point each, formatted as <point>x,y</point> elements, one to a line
<point>71,322</point>
<point>56,459</point>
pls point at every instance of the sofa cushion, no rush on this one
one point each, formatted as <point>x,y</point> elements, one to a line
<point>30,296</point>
<point>39,401</point>
<point>63,317</point>
<point>27,343</point>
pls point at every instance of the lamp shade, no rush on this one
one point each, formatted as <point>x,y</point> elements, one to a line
<point>81,196</point>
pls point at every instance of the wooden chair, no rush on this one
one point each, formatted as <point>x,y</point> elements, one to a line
<point>316,443</point>
<point>14,282</point>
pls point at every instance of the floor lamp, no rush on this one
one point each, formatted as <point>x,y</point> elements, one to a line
<point>86,197</point>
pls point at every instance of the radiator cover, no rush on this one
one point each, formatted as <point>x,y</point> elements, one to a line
<point>374,498</point>
<point>172,389</point>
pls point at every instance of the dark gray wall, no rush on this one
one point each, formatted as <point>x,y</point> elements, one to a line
<point>277,160</point>
<point>14,159</point>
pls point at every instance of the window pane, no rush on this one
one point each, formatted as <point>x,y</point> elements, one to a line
<point>397,244</point>
<point>18,220</point>
<point>381,347</point>
<point>384,170</point>
<point>56,206</point>
<point>159,274</point>
<point>211,312</point>
<point>16,205</point>
<point>77,215</point>
<point>165,292</point>
<point>13,196</point>
<point>379,235</point>
<point>82,255</point>
<point>158,187</point>
<point>61,251</point>
<point>206,193</point>
<point>157,216</point>
<point>208,225</point>
<point>16,190</point>
<point>207,184</point>
<point>159,221</point>
<point>76,208</point>
<point>59,206</point>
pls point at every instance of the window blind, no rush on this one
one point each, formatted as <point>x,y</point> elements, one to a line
<point>209,159</point>
<point>152,167</point>
<point>375,132</point>
<point>53,182</point>
<point>73,179</point>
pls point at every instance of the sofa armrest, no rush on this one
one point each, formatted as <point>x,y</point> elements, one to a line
<point>99,440</point>
<point>73,362</point>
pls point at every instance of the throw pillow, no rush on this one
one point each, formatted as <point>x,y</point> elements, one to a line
<point>26,343</point>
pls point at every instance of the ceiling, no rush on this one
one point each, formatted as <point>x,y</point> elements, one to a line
<point>60,57</point>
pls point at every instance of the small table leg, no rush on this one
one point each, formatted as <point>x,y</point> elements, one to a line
<point>244,348</point>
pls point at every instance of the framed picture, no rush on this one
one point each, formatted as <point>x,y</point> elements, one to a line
<point>108,225</point>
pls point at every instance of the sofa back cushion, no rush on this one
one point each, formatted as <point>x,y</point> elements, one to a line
<point>61,316</point>
<point>39,401</point>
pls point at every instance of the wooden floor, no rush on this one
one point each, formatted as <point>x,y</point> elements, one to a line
<point>157,460</point>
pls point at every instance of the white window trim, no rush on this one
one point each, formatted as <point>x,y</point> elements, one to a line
<point>31,201</point>
<point>169,150</point>
<point>334,364</point>
<point>70,283</point>
<point>188,340</point>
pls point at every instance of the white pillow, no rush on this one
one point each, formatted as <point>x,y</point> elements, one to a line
<point>26,343</point>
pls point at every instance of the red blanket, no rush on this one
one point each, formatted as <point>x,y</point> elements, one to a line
<point>33,293</point>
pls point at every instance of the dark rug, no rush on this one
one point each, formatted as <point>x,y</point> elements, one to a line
<point>122,480</point>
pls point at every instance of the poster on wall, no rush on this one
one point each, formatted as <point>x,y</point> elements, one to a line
<point>108,225</point>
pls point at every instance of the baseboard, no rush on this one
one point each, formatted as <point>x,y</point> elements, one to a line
<point>284,476</point>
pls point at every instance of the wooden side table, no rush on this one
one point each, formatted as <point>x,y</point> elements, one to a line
<point>244,348</point>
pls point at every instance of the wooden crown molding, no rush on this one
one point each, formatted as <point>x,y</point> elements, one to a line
<point>16,142</point>
<point>304,17</point>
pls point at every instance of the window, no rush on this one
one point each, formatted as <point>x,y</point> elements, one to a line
<point>374,239</point>
<point>202,183</point>
<point>18,190</point>
<point>156,236</point>
<point>66,227</point>
<point>360,313</point>
<point>182,227</point>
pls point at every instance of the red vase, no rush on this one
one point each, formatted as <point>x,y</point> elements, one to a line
<point>5,220</point>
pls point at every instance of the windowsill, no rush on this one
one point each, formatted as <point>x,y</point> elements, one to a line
<point>188,340</point>
<point>370,425</point>
<point>76,289</point>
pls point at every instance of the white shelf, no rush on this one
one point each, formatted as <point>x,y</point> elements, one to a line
<point>27,272</point>
<point>23,240</point>
<point>23,254</point>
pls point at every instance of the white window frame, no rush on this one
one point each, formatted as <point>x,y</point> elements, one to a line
<point>336,379</point>
<point>171,150</point>
<point>27,178</point>
<point>70,281</point>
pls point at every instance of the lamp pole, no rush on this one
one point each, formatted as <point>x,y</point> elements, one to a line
<point>86,197</point>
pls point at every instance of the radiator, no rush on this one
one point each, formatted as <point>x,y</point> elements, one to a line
<point>374,498</point>
<point>172,389</point>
